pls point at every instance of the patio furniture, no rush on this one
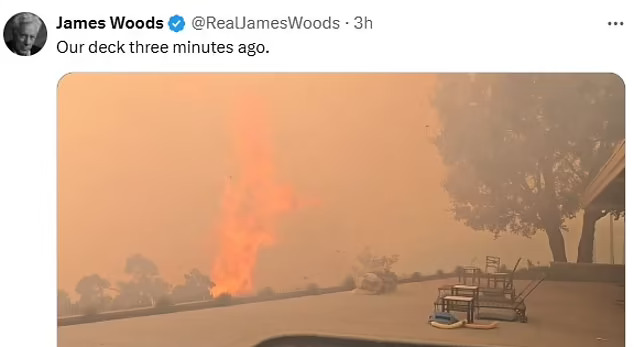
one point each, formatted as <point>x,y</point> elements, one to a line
<point>517,304</point>
<point>459,303</point>
<point>443,291</point>
<point>456,290</point>
<point>492,263</point>
<point>469,275</point>
<point>501,283</point>
<point>443,317</point>
<point>468,291</point>
<point>465,290</point>
<point>497,280</point>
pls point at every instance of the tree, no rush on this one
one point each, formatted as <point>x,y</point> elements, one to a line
<point>64,303</point>
<point>520,148</point>
<point>197,287</point>
<point>381,266</point>
<point>586,242</point>
<point>348,283</point>
<point>145,286</point>
<point>140,267</point>
<point>266,292</point>
<point>312,288</point>
<point>368,262</point>
<point>91,293</point>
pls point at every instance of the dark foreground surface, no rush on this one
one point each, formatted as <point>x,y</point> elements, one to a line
<point>560,314</point>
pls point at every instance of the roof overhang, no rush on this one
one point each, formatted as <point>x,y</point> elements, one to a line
<point>607,190</point>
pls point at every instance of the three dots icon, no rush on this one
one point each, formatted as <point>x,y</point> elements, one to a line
<point>615,23</point>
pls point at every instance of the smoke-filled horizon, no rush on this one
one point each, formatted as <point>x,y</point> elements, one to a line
<point>263,180</point>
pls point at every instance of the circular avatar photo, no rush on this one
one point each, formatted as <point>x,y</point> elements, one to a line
<point>25,34</point>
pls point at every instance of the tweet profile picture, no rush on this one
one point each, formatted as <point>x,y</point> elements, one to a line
<point>25,34</point>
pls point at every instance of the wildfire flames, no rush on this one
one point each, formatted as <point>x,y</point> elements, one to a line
<point>252,205</point>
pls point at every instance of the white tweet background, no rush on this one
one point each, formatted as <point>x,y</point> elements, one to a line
<point>408,36</point>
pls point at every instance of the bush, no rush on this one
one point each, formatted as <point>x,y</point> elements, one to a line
<point>312,288</point>
<point>89,310</point>
<point>390,282</point>
<point>416,276</point>
<point>266,292</point>
<point>458,270</point>
<point>164,301</point>
<point>224,299</point>
<point>439,272</point>
<point>348,283</point>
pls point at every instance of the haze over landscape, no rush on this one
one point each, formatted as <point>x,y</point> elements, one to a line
<point>163,165</point>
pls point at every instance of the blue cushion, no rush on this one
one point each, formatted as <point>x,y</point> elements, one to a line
<point>443,318</point>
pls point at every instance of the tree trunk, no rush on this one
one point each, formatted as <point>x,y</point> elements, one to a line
<point>551,215</point>
<point>586,243</point>
<point>556,242</point>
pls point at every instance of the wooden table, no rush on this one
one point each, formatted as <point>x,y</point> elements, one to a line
<point>465,290</point>
<point>468,291</point>
<point>451,301</point>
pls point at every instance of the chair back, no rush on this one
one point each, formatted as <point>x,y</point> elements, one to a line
<point>492,263</point>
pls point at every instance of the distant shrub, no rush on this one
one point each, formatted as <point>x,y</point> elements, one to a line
<point>439,272</point>
<point>223,299</point>
<point>89,310</point>
<point>266,292</point>
<point>416,276</point>
<point>312,288</point>
<point>458,270</point>
<point>348,283</point>
<point>164,301</point>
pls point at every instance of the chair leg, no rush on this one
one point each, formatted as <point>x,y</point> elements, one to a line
<point>471,312</point>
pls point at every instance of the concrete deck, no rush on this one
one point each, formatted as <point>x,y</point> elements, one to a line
<point>559,314</point>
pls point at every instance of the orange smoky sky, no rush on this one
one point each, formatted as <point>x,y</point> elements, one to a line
<point>166,165</point>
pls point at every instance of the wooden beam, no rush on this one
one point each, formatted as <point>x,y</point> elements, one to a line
<point>611,171</point>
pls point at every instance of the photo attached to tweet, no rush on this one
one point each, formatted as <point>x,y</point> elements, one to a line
<point>227,197</point>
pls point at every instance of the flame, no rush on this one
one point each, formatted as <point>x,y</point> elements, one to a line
<point>252,205</point>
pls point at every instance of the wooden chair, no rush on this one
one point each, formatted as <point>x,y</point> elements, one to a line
<point>469,275</point>
<point>492,263</point>
<point>506,278</point>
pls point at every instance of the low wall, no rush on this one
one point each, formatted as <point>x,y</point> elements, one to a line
<point>587,272</point>
<point>556,272</point>
<point>191,306</point>
<point>149,311</point>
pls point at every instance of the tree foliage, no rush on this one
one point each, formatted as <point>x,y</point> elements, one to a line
<point>139,266</point>
<point>369,262</point>
<point>266,292</point>
<point>145,286</point>
<point>92,296</point>
<point>521,148</point>
<point>197,287</point>
<point>64,303</point>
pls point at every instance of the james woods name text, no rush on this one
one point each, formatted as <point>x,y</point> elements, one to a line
<point>114,22</point>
